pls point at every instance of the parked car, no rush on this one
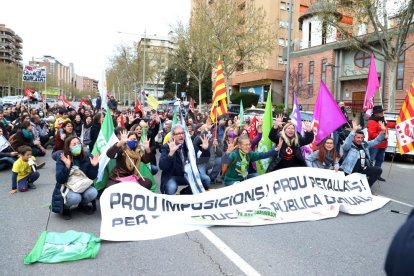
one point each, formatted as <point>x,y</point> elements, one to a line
<point>233,110</point>
<point>306,115</point>
<point>251,112</point>
<point>13,100</point>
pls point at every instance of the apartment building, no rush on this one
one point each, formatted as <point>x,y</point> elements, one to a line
<point>58,74</point>
<point>86,84</point>
<point>325,55</point>
<point>158,51</point>
<point>10,46</point>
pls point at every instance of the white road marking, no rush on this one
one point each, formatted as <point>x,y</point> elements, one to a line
<point>229,253</point>
<point>397,201</point>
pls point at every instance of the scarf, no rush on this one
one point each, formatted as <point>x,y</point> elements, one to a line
<point>244,163</point>
<point>134,157</point>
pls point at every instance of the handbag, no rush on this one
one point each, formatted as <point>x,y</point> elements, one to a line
<point>78,182</point>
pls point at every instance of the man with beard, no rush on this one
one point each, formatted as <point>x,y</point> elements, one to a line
<point>377,152</point>
<point>356,158</point>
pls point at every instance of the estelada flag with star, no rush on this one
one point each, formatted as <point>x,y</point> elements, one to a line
<point>219,102</point>
<point>405,123</point>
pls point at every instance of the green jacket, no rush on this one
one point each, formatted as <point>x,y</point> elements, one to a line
<point>233,172</point>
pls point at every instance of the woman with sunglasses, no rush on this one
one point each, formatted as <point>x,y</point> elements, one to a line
<point>325,157</point>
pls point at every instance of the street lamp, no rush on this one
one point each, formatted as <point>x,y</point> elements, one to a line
<point>176,83</point>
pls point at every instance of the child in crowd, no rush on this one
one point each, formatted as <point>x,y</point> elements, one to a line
<point>24,172</point>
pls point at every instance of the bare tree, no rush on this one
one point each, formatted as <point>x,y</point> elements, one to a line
<point>385,38</point>
<point>238,32</point>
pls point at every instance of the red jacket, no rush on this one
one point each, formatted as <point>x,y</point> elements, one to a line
<point>374,129</point>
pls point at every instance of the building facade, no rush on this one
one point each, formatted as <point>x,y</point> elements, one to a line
<point>86,84</point>
<point>158,51</point>
<point>10,46</point>
<point>325,55</point>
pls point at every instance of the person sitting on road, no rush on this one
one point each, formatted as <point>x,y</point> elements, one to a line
<point>7,155</point>
<point>73,157</point>
<point>128,154</point>
<point>24,173</point>
<point>25,137</point>
<point>290,154</point>
<point>65,132</point>
<point>325,157</point>
<point>236,165</point>
<point>174,155</point>
<point>356,157</point>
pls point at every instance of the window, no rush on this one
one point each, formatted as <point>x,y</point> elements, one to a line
<point>283,24</point>
<point>281,42</point>
<point>324,32</point>
<point>362,59</point>
<point>311,72</point>
<point>300,73</point>
<point>400,72</point>
<point>309,34</point>
<point>280,60</point>
<point>323,73</point>
<point>283,5</point>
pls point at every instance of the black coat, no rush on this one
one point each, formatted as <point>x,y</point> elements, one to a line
<point>303,141</point>
<point>95,128</point>
<point>174,166</point>
<point>62,175</point>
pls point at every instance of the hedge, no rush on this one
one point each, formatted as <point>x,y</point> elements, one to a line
<point>248,99</point>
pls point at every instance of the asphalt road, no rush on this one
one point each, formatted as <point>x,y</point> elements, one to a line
<point>346,245</point>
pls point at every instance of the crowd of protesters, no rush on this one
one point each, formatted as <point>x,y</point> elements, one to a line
<point>225,150</point>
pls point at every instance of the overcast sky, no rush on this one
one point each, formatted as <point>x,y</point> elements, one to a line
<point>86,32</point>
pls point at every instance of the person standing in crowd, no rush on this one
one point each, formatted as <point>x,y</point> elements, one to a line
<point>23,175</point>
<point>236,166</point>
<point>95,129</point>
<point>377,153</point>
<point>325,157</point>
<point>290,154</point>
<point>356,157</point>
<point>73,157</point>
<point>174,155</point>
<point>112,103</point>
<point>98,104</point>
<point>128,154</point>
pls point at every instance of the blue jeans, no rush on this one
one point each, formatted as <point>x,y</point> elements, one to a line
<point>6,162</point>
<point>170,188</point>
<point>205,179</point>
<point>215,171</point>
<point>231,182</point>
<point>22,183</point>
<point>84,198</point>
<point>377,155</point>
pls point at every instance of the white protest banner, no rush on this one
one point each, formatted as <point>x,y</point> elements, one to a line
<point>130,212</point>
<point>4,143</point>
<point>34,74</point>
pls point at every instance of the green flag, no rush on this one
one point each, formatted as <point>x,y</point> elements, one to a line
<point>175,118</point>
<point>53,247</point>
<point>105,140</point>
<point>265,144</point>
<point>241,114</point>
<point>143,135</point>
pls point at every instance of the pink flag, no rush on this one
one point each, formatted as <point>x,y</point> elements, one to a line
<point>327,115</point>
<point>372,86</point>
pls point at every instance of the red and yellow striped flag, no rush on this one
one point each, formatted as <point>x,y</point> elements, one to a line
<point>219,103</point>
<point>405,123</point>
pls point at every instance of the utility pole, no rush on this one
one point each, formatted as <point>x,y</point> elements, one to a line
<point>288,55</point>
